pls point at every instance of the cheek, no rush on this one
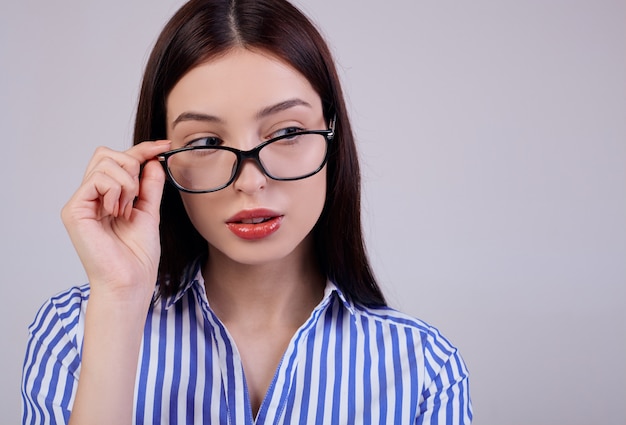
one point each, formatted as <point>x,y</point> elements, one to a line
<point>310,200</point>
<point>302,201</point>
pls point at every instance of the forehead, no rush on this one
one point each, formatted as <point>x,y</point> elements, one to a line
<point>240,82</point>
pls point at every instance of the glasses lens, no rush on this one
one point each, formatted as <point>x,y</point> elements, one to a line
<point>202,169</point>
<point>294,156</point>
<point>205,169</point>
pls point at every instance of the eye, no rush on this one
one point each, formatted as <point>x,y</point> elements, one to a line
<point>286,131</point>
<point>205,141</point>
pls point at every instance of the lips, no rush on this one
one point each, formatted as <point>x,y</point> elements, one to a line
<point>254,224</point>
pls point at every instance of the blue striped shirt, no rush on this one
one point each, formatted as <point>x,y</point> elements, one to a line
<point>346,365</point>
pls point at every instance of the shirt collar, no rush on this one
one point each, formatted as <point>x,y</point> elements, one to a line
<point>332,289</point>
<point>192,277</point>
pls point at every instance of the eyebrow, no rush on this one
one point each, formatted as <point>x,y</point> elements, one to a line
<point>263,113</point>
<point>196,116</point>
<point>281,106</point>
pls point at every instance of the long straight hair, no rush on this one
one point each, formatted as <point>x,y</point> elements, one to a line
<point>205,29</point>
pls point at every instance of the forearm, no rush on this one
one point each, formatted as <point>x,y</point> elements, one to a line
<point>113,332</point>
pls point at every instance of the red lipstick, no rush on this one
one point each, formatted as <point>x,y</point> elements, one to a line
<point>254,224</point>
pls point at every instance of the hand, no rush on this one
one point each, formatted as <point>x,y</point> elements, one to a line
<point>113,220</point>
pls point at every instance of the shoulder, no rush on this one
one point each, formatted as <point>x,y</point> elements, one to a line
<point>438,364</point>
<point>388,318</point>
<point>62,313</point>
<point>52,359</point>
<point>392,330</point>
<point>386,325</point>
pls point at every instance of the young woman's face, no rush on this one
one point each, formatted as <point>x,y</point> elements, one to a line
<point>241,100</point>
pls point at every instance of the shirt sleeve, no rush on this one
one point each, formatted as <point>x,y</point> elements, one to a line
<point>446,399</point>
<point>52,360</point>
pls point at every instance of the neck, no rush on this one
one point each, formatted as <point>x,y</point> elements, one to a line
<point>282,293</point>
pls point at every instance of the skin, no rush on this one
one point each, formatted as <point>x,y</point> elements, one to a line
<point>101,217</point>
<point>262,290</point>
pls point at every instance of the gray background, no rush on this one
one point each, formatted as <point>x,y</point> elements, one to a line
<point>493,141</point>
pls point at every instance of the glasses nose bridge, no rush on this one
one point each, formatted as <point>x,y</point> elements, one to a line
<point>251,155</point>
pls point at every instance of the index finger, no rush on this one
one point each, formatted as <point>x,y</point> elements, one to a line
<point>146,151</point>
<point>130,160</point>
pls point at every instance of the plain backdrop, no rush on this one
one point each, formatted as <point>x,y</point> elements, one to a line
<point>492,136</point>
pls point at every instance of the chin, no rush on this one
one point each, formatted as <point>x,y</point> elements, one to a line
<point>261,252</point>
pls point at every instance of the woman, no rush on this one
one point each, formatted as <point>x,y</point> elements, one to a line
<point>265,309</point>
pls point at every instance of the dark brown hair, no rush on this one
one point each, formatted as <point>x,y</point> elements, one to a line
<point>204,29</point>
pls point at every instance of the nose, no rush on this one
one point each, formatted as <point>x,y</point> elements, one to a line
<point>250,177</point>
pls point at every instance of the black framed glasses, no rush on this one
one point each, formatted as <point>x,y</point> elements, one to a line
<point>291,156</point>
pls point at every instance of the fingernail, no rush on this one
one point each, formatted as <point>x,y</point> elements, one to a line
<point>163,142</point>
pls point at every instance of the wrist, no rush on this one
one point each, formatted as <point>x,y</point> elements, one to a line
<point>119,313</point>
<point>122,296</point>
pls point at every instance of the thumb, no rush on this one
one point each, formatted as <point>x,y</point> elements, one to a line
<point>151,188</point>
